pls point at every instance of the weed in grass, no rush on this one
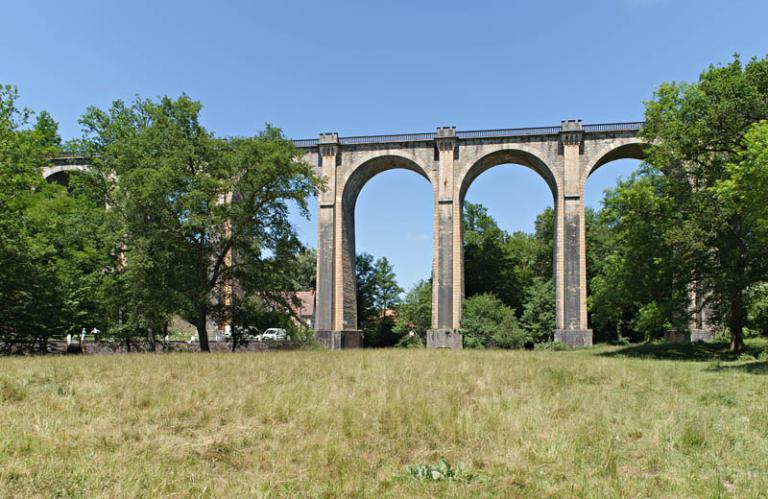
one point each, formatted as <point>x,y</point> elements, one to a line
<point>440,471</point>
<point>11,391</point>
<point>693,436</point>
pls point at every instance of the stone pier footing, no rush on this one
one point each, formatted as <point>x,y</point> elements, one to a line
<point>702,336</point>
<point>689,336</point>
<point>444,338</point>
<point>340,340</point>
<point>574,337</point>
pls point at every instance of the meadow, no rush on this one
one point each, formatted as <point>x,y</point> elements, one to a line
<point>603,422</point>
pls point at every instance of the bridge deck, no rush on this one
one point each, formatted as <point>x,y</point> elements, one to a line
<point>476,134</point>
<point>68,158</point>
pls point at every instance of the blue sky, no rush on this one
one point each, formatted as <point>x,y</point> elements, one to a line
<point>380,67</point>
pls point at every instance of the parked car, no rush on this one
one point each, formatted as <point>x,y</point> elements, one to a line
<point>273,334</point>
<point>245,334</point>
<point>250,334</point>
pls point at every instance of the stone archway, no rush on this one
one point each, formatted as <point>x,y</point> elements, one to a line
<point>474,167</point>
<point>563,155</point>
<point>351,187</point>
<point>336,309</point>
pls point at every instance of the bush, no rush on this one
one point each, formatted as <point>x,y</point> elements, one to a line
<point>379,333</point>
<point>410,340</point>
<point>539,310</point>
<point>487,322</point>
<point>651,321</point>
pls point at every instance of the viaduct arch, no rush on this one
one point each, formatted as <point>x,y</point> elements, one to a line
<point>63,166</point>
<point>564,156</point>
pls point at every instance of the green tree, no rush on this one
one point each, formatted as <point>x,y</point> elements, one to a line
<point>52,254</point>
<point>698,135</point>
<point>305,274</point>
<point>386,290</point>
<point>489,266</point>
<point>501,263</point>
<point>47,131</point>
<point>633,264</point>
<point>538,317</point>
<point>189,201</point>
<point>415,313</point>
<point>488,322</point>
<point>365,273</point>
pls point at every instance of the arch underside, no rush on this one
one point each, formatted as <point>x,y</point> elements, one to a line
<point>633,150</point>
<point>351,190</point>
<point>372,167</point>
<point>517,157</point>
<point>62,173</point>
<point>61,177</point>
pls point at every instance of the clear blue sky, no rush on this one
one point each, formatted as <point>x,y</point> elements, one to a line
<point>380,67</point>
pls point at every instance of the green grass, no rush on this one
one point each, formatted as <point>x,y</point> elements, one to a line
<point>594,423</point>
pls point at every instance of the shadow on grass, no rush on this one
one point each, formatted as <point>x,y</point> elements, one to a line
<point>749,368</point>
<point>681,351</point>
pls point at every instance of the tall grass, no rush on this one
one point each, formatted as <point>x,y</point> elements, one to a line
<point>349,423</point>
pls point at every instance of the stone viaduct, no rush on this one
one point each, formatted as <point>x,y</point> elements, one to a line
<point>564,156</point>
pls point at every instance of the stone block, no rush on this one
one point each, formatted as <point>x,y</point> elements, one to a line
<point>351,339</point>
<point>574,337</point>
<point>676,336</point>
<point>444,338</point>
<point>339,340</point>
<point>702,336</point>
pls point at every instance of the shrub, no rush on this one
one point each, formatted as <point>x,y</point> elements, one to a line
<point>488,322</point>
<point>410,340</point>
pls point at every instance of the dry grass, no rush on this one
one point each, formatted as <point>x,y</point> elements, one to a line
<point>347,424</point>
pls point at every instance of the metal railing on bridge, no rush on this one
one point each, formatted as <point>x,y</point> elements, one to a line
<point>614,127</point>
<point>475,134</point>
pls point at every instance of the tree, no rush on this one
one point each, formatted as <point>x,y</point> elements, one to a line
<point>505,264</point>
<point>538,318</point>
<point>305,270</point>
<point>488,322</point>
<point>488,265</point>
<point>365,273</point>
<point>203,212</point>
<point>377,288</point>
<point>698,135</point>
<point>52,255</point>
<point>386,290</point>
<point>47,131</point>
<point>415,312</point>
<point>637,281</point>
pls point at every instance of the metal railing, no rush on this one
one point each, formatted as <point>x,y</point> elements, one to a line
<point>375,139</point>
<point>475,134</point>
<point>69,158</point>
<point>508,132</point>
<point>614,127</point>
<point>306,142</point>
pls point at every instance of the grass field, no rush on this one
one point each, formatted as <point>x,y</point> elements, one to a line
<point>603,422</point>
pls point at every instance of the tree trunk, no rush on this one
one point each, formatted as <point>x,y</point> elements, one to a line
<point>736,323</point>
<point>150,339</point>
<point>202,332</point>
<point>166,343</point>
